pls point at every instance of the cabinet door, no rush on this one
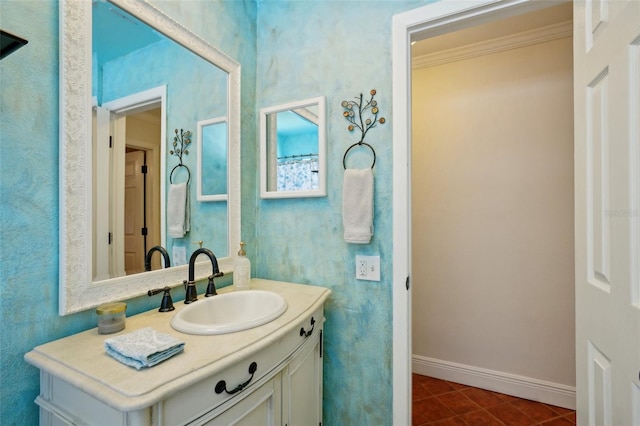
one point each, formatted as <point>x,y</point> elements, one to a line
<point>261,407</point>
<point>302,386</point>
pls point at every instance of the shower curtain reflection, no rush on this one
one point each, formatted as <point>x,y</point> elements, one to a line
<point>298,173</point>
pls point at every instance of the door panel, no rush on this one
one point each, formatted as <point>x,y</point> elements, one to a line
<point>134,249</point>
<point>607,198</point>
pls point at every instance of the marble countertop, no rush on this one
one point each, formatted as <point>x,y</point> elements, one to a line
<point>82,361</point>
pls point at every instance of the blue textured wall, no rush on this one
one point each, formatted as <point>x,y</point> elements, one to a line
<point>305,49</point>
<point>29,181</point>
<point>338,49</point>
<point>196,91</point>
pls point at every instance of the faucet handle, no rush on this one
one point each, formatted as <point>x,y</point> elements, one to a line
<point>167,304</point>
<point>211,287</point>
<point>191,293</point>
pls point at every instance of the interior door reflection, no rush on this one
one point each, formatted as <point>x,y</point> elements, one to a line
<point>127,202</point>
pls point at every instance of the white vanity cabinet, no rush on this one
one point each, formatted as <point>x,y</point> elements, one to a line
<point>268,375</point>
<point>302,404</point>
<point>261,407</point>
<point>290,395</point>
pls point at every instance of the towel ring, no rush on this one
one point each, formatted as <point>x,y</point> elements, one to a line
<point>344,159</point>
<point>174,169</point>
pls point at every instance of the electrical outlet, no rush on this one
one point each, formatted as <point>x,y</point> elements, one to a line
<point>368,268</point>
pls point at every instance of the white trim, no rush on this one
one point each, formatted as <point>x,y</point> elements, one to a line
<point>427,21</point>
<point>322,162</point>
<point>401,66</point>
<point>495,45</point>
<point>138,102</point>
<point>510,384</point>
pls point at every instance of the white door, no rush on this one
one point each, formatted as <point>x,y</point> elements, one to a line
<point>134,212</point>
<point>607,203</point>
<point>101,219</point>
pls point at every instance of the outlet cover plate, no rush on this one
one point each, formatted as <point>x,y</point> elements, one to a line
<point>368,268</point>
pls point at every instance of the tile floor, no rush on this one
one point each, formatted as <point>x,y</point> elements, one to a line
<point>441,403</point>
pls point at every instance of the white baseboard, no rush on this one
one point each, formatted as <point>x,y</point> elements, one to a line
<point>497,381</point>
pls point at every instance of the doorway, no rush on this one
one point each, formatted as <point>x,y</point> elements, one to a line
<point>429,21</point>
<point>141,188</point>
<point>492,207</point>
<point>138,124</point>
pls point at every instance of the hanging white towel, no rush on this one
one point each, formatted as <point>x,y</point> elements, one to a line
<point>178,211</point>
<point>357,205</point>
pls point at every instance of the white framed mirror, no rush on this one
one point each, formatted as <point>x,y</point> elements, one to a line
<point>78,290</point>
<point>293,150</point>
<point>212,176</point>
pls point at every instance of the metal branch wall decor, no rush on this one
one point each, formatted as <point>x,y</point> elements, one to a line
<point>362,115</point>
<point>184,138</point>
<point>354,112</point>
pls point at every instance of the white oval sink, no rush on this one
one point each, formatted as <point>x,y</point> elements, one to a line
<point>229,312</point>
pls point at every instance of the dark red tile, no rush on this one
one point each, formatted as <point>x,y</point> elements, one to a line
<point>417,417</point>
<point>419,392</point>
<point>451,421</point>
<point>482,397</point>
<point>442,403</point>
<point>510,415</point>
<point>480,418</point>
<point>558,421</point>
<point>537,411</point>
<point>507,398</point>
<point>457,386</point>
<point>418,378</point>
<point>436,386</point>
<point>430,410</point>
<point>560,410</point>
<point>457,402</point>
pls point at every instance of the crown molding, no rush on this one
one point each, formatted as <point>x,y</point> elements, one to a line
<point>495,45</point>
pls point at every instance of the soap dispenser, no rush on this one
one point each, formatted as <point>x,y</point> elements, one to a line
<point>241,270</point>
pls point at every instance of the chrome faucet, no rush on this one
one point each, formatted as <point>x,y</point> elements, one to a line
<point>165,255</point>
<point>190,285</point>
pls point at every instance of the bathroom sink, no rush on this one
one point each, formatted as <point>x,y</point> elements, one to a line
<point>229,312</point>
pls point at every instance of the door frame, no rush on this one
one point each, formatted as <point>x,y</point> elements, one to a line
<point>418,24</point>
<point>139,102</point>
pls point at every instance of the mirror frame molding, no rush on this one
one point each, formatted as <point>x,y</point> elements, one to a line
<point>77,292</point>
<point>322,150</point>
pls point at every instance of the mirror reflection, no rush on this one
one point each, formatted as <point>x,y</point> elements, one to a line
<point>144,86</point>
<point>181,107</point>
<point>293,149</point>
<point>212,159</point>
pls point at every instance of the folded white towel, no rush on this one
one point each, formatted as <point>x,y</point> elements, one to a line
<point>143,348</point>
<point>357,205</point>
<point>178,211</point>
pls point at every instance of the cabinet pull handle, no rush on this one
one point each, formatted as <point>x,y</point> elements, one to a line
<point>308,333</point>
<point>222,385</point>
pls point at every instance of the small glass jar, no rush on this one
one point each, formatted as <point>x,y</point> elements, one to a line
<point>111,317</point>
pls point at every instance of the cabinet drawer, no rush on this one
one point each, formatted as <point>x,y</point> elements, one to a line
<point>189,404</point>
